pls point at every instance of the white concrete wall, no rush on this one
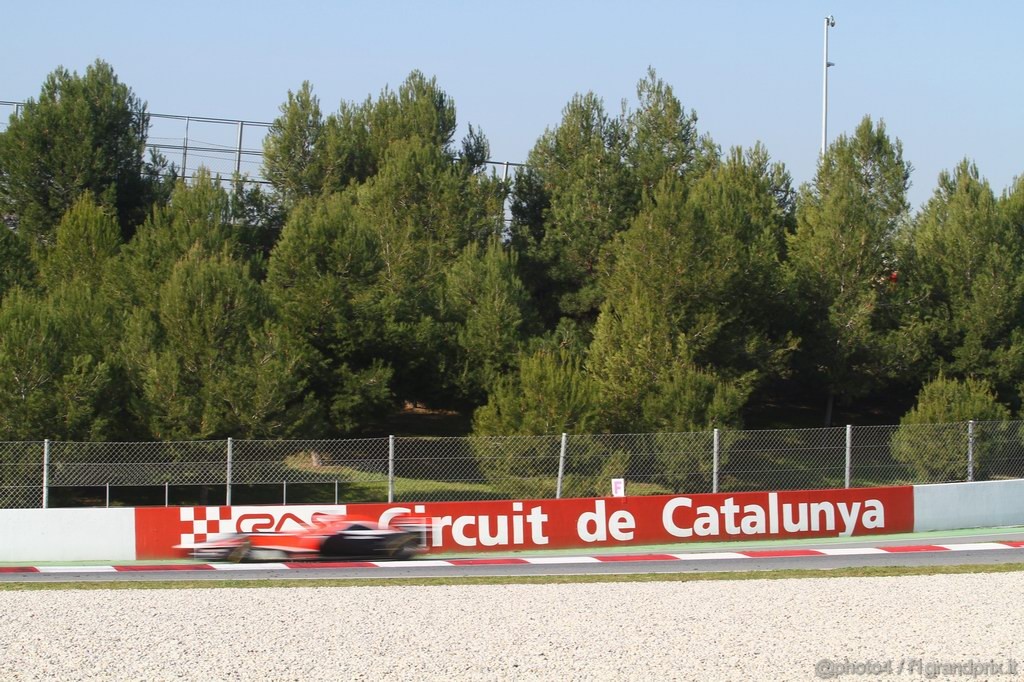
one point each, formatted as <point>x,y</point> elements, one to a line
<point>67,534</point>
<point>985,504</point>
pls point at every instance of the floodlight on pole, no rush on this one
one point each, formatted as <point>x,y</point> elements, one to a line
<point>830,22</point>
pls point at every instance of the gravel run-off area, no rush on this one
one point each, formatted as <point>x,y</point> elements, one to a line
<point>706,630</point>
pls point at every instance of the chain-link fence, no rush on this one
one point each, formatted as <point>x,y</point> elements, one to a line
<point>650,463</point>
<point>781,460</point>
<point>263,471</point>
<point>54,473</point>
<point>478,468</point>
<point>22,477</point>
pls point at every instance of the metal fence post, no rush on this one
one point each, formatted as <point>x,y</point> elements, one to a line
<point>561,466</point>
<point>231,451</point>
<point>238,150</point>
<point>108,494</point>
<point>184,152</point>
<point>46,473</point>
<point>391,469</point>
<point>284,492</point>
<point>970,450</point>
<point>849,453</point>
<point>715,454</point>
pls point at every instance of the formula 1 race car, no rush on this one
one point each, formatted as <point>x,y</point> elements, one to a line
<point>331,537</point>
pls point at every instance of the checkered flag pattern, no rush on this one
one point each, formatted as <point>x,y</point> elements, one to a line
<point>205,522</point>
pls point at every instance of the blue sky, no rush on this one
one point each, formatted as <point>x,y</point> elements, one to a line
<point>942,74</point>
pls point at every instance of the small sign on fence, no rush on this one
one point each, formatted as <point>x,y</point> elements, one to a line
<point>618,487</point>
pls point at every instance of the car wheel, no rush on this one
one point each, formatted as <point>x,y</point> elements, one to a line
<point>334,547</point>
<point>261,554</point>
<point>240,553</point>
<point>407,549</point>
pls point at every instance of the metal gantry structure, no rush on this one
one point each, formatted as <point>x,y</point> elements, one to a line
<point>225,146</point>
<point>830,22</point>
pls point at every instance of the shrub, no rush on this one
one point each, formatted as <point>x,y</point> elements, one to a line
<point>934,448</point>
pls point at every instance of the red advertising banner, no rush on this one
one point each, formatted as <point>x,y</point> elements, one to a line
<point>510,525</point>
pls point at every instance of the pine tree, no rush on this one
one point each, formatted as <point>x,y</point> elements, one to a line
<point>321,281</point>
<point>87,239</point>
<point>294,150</point>
<point>965,269</point>
<point>486,301</point>
<point>83,134</point>
<point>575,195</point>
<point>841,258</point>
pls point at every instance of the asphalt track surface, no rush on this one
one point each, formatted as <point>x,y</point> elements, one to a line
<point>989,546</point>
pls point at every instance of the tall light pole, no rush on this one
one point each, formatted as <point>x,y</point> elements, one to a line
<point>830,22</point>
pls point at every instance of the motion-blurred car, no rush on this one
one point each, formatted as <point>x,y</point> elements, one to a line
<point>331,537</point>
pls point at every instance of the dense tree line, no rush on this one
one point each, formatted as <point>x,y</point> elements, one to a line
<point>646,280</point>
